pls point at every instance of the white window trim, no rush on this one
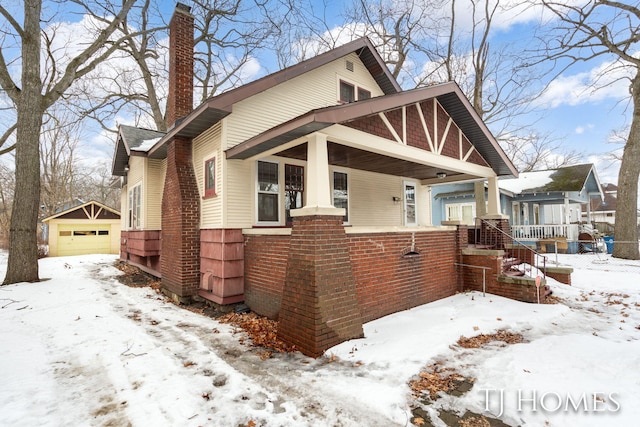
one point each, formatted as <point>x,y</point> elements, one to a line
<point>404,203</point>
<point>346,172</point>
<point>515,213</point>
<point>356,86</point>
<point>459,207</point>
<point>131,223</point>
<point>280,194</point>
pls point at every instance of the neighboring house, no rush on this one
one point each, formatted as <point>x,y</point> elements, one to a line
<point>306,193</point>
<point>539,204</point>
<point>90,228</point>
<point>457,203</point>
<point>603,210</point>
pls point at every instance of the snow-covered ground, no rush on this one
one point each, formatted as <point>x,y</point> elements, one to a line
<point>82,349</point>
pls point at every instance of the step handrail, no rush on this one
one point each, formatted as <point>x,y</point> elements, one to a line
<point>535,256</point>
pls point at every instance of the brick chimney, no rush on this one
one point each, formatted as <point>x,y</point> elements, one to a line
<point>180,238</point>
<point>180,100</point>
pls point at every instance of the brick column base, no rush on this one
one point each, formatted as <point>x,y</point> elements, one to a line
<point>493,237</point>
<point>319,307</point>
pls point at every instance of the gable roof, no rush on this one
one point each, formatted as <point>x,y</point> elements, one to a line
<point>105,210</point>
<point>610,201</point>
<point>216,108</point>
<point>568,178</point>
<point>132,138</point>
<point>449,95</point>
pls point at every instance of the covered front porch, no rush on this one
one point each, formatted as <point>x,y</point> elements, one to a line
<point>323,277</point>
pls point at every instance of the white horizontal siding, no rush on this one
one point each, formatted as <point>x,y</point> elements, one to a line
<point>239,193</point>
<point>371,199</point>
<point>315,89</point>
<point>152,193</point>
<point>207,146</point>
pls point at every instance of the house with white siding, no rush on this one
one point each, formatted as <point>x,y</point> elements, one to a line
<point>305,194</point>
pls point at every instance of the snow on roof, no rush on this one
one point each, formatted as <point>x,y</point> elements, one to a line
<point>526,181</point>
<point>146,144</point>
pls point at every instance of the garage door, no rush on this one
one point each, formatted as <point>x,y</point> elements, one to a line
<point>80,239</point>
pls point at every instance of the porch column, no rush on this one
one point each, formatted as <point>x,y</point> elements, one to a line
<point>319,308</point>
<point>494,196</point>
<point>318,183</point>
<point>567,214</point>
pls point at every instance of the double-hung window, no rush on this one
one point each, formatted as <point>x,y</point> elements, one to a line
<point>268,192</point>
<point>341,193</point>
<point>135,209</point>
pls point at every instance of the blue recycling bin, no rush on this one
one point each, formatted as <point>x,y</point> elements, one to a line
<point>608,240</point>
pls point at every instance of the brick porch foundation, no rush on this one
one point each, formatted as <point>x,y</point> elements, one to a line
<point>319,308</point>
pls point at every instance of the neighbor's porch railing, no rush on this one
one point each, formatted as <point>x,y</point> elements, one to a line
<point>537,232</point>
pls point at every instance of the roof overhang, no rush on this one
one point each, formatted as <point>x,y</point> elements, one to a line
<point>215,109</point>
<point>448,95</point>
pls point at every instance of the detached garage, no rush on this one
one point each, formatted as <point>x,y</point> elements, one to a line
<point>90,228</point>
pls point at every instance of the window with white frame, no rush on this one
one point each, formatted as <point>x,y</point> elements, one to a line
<point>341,193</point>
<point>463,212</point>
<point>515,213</point>
<point>410,211</point>
<point>135,207</point>
<point>350,92</point>
<point>268,192</point>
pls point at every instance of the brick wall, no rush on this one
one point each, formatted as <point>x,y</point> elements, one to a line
<point>319,308</point>
<point>491,236</point>
<point>517,288</point>
<point>488,260</point>
<point>391,280</point>
<point>265,260</point>
<point>180,223</point>
<point>388,279</point>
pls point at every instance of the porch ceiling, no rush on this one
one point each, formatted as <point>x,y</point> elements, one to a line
<point>354,158</point>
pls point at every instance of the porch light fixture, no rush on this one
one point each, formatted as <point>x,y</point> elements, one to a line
<point>441,175</point>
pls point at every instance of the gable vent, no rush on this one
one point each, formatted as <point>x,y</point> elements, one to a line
<point>349,65</point>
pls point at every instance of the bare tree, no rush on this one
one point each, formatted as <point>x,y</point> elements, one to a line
<point>7,185</point>
<point>609,30</point>
<point>32,95</point>
<point>537,152</point>
<point>58,144</point>
<point>228,34</point>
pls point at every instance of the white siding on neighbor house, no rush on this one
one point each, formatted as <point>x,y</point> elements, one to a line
<point>152,193</point>
<point>205,147</point>
<point>315,89</point>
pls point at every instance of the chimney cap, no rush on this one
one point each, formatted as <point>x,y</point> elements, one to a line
<point>183,7</point>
